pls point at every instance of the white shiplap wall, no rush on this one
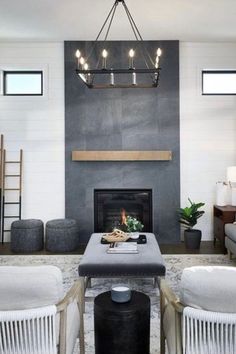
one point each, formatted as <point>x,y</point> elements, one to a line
<point>36,124</point>
<point>207,126</point>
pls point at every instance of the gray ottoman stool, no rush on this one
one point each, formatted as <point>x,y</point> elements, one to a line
<point>27,235</point>
<point>62,235</point>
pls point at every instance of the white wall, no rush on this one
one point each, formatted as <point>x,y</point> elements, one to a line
<point>207,126</point>
<point>36,124</point>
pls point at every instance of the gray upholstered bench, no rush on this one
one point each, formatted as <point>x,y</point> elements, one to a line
<point>62,235</point>
<point>27,235</point>
<point>97,263</point>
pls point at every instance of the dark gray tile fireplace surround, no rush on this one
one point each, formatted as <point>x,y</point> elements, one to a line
<point>123,119</point>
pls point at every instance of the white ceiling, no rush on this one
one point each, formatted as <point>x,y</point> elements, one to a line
<point>53,20</point>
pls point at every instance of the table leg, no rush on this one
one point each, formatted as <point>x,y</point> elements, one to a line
<point>155,282</point>
<point>82,293</point>
<point>162,335</point>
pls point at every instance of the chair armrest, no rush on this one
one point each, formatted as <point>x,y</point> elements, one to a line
<point>76,293</point>
<point>170,296</point>
<point>73,294</point>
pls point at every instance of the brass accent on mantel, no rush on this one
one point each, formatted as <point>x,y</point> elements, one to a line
<point>121,155</point>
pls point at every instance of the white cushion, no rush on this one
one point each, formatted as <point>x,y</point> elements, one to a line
<point>29,287</point>
<point>211,288</point>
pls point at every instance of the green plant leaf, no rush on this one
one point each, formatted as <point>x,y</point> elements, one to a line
<point>189,215</point>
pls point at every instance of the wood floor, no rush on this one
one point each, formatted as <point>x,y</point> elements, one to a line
<point>207,247</point>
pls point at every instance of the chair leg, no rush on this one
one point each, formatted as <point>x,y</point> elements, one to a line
<point>81,335</point>
<point>81,306</point>
<point>62,337</point>
<point>230,254</point>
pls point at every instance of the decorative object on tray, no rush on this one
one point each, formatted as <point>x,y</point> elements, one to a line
<point>116,236</point>
<point>129,223</point>
<point>142,239</point>
<point>133,225</point>
<point>123,247</point>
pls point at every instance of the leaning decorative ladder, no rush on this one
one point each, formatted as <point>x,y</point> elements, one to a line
<point>1,179</point>
<point>17,176</point>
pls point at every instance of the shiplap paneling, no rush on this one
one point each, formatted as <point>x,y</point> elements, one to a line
<point>207,127</point>
<point>36,124</point>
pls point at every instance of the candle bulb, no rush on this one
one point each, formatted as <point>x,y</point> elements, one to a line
<point>112,79</point>
<point>87,76</point>
<point>78,55</point>
<point>131,58</point>
<point>159,52</point>
<point>134,81</point>
<point>104,58</point>
<point>82,61</point>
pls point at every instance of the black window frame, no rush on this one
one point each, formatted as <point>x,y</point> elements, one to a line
<point>14,72</point>
<point>217,72</point>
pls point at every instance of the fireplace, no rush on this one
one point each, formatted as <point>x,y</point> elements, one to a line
<point>110,205</point>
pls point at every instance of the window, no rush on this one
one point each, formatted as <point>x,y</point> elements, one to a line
<point>219,82</point>
<point>23,83</point>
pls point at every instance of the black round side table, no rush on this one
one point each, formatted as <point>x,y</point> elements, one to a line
<point>122,328</point>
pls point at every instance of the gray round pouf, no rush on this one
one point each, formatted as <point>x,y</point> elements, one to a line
<point>62,235</point>
<point>27,235</point>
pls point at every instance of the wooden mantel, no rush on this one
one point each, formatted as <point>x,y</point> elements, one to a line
<point>121,155</point>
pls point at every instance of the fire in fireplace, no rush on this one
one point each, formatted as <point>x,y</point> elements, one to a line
<point>112,206</point>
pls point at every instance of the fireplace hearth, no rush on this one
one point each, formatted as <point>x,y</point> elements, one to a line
<point>110,205</point>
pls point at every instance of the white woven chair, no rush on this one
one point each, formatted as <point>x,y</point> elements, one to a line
<point>202,320</point>
<point>35,316</point>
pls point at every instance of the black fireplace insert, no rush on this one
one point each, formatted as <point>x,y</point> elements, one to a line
<point>111,204</point>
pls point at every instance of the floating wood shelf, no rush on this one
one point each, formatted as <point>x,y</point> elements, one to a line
<point>121,155</point>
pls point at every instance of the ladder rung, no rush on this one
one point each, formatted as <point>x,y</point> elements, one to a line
<point>12,189</point>
<point>12,175</point>
<point>11,216</point>
<point>11,202</point>
<point>6,230</point>
<point>12,161</point>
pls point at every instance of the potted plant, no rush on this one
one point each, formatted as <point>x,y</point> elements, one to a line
<point>188,217</point>
<point>133,225</point>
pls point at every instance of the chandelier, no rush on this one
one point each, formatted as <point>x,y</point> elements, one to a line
<point>103,75</point>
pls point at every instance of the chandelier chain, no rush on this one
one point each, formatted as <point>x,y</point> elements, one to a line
<point>88,74</point>
<point>111,20</point>
<point>104,24</point>
<point>140,39</point>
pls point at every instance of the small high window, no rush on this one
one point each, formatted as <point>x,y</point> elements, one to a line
<point>23,83</point>
<point>219,82</point>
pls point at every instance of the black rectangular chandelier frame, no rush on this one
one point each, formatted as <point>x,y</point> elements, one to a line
<point>87,75</point>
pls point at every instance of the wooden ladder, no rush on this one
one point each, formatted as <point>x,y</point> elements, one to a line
<point>1,180</point>
<point>5,190</point>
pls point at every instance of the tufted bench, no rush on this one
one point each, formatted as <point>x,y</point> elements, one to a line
<point>62,235</point>
<point>96,262</point>
<point>27,235</point>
